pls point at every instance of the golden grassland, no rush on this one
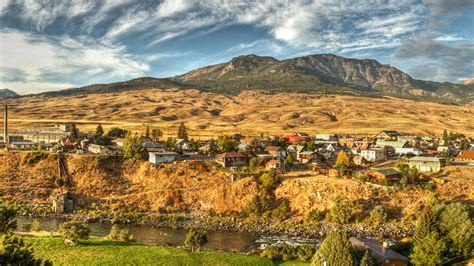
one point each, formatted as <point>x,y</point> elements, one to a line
<point>252,113</point>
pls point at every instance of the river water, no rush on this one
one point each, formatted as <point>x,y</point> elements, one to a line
<point>217,240</point>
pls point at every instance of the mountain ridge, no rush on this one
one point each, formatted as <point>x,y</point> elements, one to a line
<point>6,93</point>
<point>318,73</point>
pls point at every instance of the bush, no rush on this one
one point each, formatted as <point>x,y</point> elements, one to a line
<point>305,252</point>
<point>272,252</point>
<point>341,211</point>
<point>72,231</point>
<point>117,234</point>
<point>377,216</point>
<point>269,181</point>
<point>16,252</point>
<point>283,210</point>
<point>26,228</point>
<point>313,216</point>
<point>195,239</point>
<point>35,157</point>
<point>36,225</point>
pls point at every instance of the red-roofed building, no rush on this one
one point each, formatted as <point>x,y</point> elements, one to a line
<point>289,140</point>
<point>273,164</point>
<point>465,156</point>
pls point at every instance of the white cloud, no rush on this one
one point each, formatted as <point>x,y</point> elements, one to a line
<point>63,61</point>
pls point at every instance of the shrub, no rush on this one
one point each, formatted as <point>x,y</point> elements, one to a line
<point>269,181</point>
<point>26,228</point>
<point>283,210</point>
<point>305,252</point>
<point>313,216</point>
<point>36,156</point>
<point>72,231</point>
<point>117,234</point>
<point>341,211</point>
<point>7,219</point>
<point>271,252</point>
<point>36,225</point>
<point>195,239</point>
<point>16,252</point>
<point>377,216</point>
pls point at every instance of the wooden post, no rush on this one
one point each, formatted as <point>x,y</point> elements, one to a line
<point>5,125</point>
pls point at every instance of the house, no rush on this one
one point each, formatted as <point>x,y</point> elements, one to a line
<point>446,149</point>
<point>276,151</point>
<point>104,150</point>
<point>387,174</point>
<point>359,160</point>
<point>23,145</point>
<point>465,156</point>
<point>294,151</point>
<point>306,156</point>
<point>243,147</point>
<point>61,203</point>
<point>405,151</point>
<point>392,145</point>
<point>263,154</point>
<point>182,144</point>
<point>427,164</point>
<point>327,137</point>
<point>381,252</point>
<point>388,135</point>
<point>295,139</point>
<point>273,164</point>
<point>161,157</point>
<point>231,159</point>
<point>374,154</point>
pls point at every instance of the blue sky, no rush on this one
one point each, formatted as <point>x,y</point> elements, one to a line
<point>51,45</point>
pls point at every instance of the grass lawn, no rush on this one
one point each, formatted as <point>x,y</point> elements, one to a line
<point>97,251</point>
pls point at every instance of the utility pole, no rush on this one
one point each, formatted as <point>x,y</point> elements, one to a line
<point>5,125</point>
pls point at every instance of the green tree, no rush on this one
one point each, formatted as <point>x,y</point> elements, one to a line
<point>73,231</point>
<point>147,131</point>
<point>336,249</point>
<point>99,131</point>
<point>445,137</point>
<point>212,146</point>
<point>195,239</point>
<point>269,181</point>
<point>36,225</point>
<point>117,234</point>
<point>341,211</point>
<point>74,131</point>
<point>170,144</point>
<point>227,144</point>
<point>132,147</point>
<point>456,225</point>
<point>288,159</point>
<point>367,259</point>
<point>428,250</point>
<point>15,252</point>
<point>182,132</point>
<point>377,216</point>
<point>7,219</point>
<point>116,132</point>
<point>156,134</point>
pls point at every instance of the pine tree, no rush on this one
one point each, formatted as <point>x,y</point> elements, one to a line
<point>182,132</point>
<point>147,131</point>
<point>367,259</point>
<point>336,249</point>
<point>99,131</point>
<point>445,137</point>
<point>74,132</point>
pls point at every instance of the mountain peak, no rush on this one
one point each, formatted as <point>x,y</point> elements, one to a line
<point>6,93</point>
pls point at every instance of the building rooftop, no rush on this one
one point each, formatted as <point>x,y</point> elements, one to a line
<point>426,159</point>
<point>388,171</point>
<point>378,249</point>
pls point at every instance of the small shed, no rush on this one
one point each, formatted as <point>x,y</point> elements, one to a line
<point>61,203</point>
<point>161,157</point>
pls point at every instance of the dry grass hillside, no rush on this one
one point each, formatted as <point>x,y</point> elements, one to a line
<point>208,114</point>
<point>200,187</point>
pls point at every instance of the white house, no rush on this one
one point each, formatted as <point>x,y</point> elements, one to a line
<point>161,157</point>
<point>403,151</point>
<point>104,150</point>
<point>374,154</point>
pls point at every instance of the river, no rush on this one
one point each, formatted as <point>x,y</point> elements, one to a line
<point>217,240</point>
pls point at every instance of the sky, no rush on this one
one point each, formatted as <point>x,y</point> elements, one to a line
<point>52,45</point>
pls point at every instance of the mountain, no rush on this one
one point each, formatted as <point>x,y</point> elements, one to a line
<point>320,73</point>
<point>6,93</point>
<point>468,81</point>
<point>323,73</point>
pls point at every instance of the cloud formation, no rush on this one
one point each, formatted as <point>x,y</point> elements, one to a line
<point>109,40</point>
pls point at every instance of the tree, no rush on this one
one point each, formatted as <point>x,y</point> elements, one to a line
<point>117,234</point>
<point>212,146</point>
<point>367,259</point>
<point>288,159</point>
<point>428,250</point>
<point>156,134</point>
<point>99,131</point>
<point>456,225</point>
<point>7,219</point>
<point>269,181</point>
<point>147,131</point>
<point>377,216</point>
<point>341,211</point>
<point>336,249</point>
<point>170,144</point>
<point>227,144</point>
<point>182,132</point>
<point>343,162</point>
<point>195,239</point>
<point>445,137</point>
<point>16,252</point>
<point>36,225</point>
<point>73,231</point>
<point>74,131</point>
<point>116,132</point>
<point>132,147</point>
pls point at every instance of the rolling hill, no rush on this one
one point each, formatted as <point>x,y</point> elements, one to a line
<point>321,73</point>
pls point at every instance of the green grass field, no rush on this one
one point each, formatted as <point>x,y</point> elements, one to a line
<point>98,251</point>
